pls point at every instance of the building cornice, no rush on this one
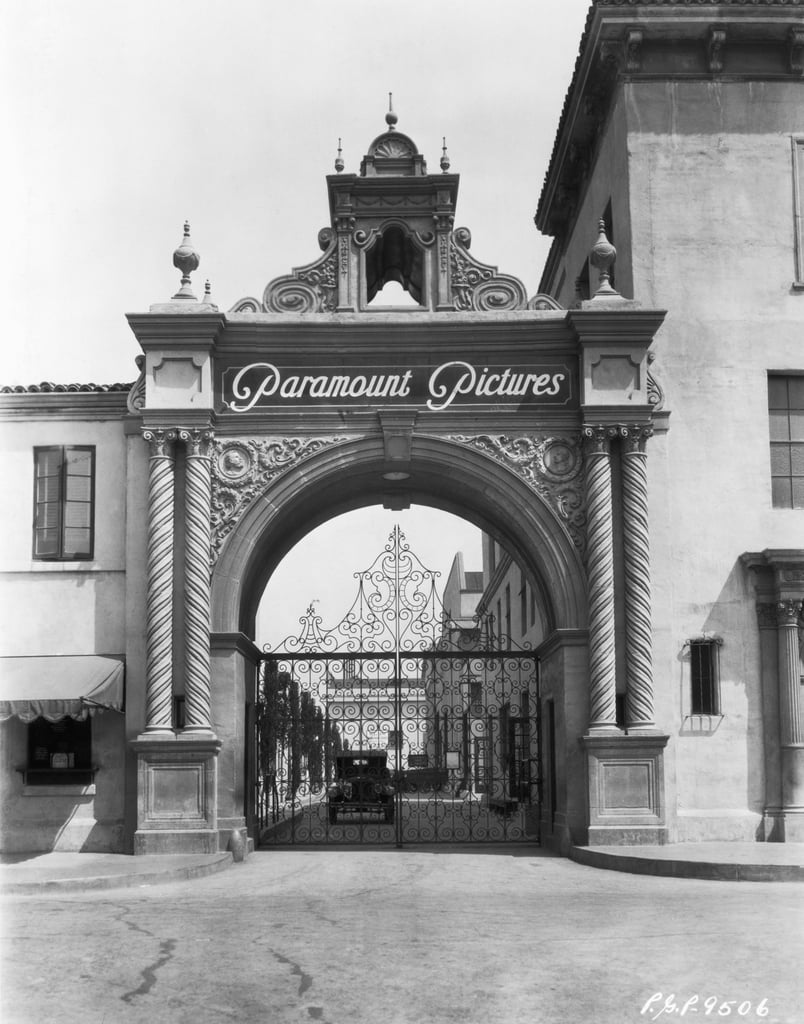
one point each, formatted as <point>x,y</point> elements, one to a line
<point>659,39</point>
<point>65,402</point>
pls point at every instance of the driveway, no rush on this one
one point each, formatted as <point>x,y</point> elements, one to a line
<point>422,936</point>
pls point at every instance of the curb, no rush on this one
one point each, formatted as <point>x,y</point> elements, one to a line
<point>116,881</point>
<point>719,871</point>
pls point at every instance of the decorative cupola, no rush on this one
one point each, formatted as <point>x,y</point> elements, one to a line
<point>393,222</point>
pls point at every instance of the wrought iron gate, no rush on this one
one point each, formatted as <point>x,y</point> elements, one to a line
<point>398,725</point>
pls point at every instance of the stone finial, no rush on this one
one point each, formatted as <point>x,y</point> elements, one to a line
<point>391,118</point>
<point>602,258</point>
<point>444,157</point>
<point>186,259</point>
<point>339,165</point>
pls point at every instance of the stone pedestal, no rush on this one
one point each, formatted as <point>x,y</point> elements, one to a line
<point>625,776</point>
<point>790,816</point>
<point>176,795</point>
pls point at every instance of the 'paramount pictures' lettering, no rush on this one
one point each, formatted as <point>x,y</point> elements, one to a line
<point>265,385</point>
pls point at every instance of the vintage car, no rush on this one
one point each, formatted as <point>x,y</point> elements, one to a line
<point>362,785</point>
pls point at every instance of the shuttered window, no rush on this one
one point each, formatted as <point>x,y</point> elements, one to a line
<point>64,493</point>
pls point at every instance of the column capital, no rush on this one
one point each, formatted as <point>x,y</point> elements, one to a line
<point>634,436</point>
<point>766,615</point>
<point>597,437</point>
<point>160,441</point>
<point>788,612</point>
<point>198,440</point>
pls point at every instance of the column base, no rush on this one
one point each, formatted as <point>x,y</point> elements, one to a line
<point>625,775</point>
<point>783,824</point>
<point>186,841</point>
<point>177,794</point>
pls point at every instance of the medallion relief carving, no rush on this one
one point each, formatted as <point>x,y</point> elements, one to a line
<point>243,468</point>
<point>551,466</point>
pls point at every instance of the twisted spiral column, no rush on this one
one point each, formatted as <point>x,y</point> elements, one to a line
<point>198,494</point>
<point>159,629</point>
<point>639,710</point>
<point>600,578</point>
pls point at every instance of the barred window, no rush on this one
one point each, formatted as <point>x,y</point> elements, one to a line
<point>786,414</point>
<point>705,677</point>
<point>64,493</point>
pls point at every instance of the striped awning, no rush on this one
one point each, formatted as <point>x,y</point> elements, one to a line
<point>55,687</point>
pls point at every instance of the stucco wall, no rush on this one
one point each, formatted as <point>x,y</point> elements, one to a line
<point>700,179</point>
<point>63,608</point>
<point>710,175</point>
<point>607,184</point>
<point>81,603</point>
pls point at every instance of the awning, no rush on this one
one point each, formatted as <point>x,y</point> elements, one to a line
<point>72,686</point>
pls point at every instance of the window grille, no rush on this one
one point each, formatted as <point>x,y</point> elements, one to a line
<point>64,497</point>
<point>705,676</point>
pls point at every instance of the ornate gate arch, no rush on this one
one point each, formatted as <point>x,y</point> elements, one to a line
<point>397,725</point>
<point>261,423</point>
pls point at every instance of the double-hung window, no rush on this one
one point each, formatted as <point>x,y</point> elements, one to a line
<point>786,414</point>
<point>64,493</point>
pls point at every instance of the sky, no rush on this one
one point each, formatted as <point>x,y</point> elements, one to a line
<point>128,119</point>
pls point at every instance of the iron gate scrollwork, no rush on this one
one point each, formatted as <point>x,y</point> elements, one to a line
<point>398,725</point>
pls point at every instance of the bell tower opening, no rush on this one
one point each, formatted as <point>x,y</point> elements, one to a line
<point>394,259</point>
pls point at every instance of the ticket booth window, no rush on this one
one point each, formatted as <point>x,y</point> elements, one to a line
<point>59,752</point>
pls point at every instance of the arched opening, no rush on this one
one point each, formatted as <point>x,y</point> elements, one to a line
<point>394,258</point>
<point>347,476</point>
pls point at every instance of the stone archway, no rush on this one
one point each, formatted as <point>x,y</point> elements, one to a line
<point>529,420</point>
<point>458,477</point>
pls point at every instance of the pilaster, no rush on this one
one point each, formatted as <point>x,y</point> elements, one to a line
<point>779,585</point>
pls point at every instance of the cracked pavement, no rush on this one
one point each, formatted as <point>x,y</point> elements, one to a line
<point>423,936</point>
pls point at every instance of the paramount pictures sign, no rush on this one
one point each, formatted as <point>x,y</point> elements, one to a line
<point>436,388</point>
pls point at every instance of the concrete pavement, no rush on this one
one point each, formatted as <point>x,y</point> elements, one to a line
<point>43,873</point>
<point>426,936</point>
<point>56,872</point>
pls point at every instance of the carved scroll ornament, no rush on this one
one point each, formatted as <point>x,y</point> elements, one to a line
<point>309,289</point>
<point>478,286</point>
<point>551,466</point>
<point>242,469</point>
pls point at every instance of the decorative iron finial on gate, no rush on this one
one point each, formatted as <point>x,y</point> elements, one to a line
<point>602,258</point>
<point>339,159</point>
<point>444,157</point>
<point>391,118</point>
<point>186,259</point>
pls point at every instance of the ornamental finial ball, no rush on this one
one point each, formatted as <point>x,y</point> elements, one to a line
<point>391,118</point>
<point>444,158</point>
<point>602,258</point>
<point>185,259</point>
<point>339,159</point>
